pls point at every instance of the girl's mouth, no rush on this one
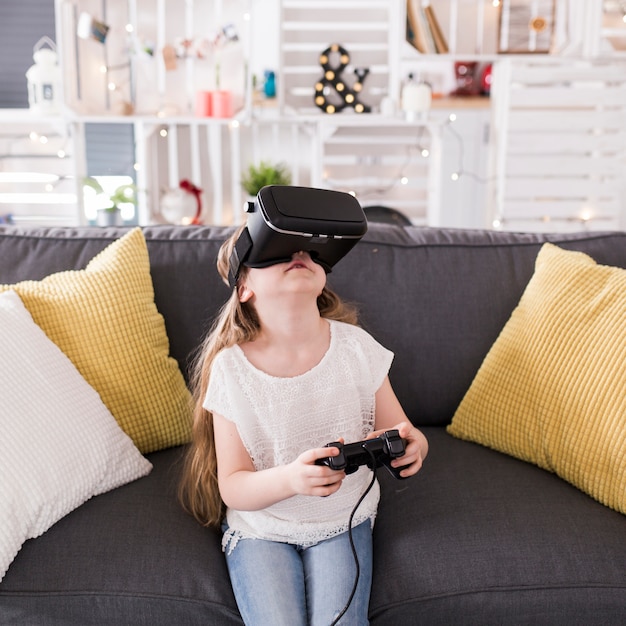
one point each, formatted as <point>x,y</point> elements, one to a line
<point>297,266</point>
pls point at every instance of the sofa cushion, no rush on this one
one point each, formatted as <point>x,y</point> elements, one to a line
<point>59,444</point>
<point>479,537</point>
<point>105,320</point>
<point>552,390</point>
<point>129,556</point>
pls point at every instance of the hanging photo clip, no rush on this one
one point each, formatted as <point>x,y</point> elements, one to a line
<point>91,28</point>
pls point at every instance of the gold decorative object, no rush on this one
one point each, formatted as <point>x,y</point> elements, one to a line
<point>526,26</point>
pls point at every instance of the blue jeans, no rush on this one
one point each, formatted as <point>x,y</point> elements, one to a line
<point>287,585</point>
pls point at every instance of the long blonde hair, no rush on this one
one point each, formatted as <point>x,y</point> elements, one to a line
<point>236,323</point>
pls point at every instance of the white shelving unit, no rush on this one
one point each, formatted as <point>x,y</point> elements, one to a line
<point>380,158</point>
<point>40,160</point>
<point>369,30</point>
<point>383,162</point>
<point>560,140</point>
<point>171,142</point>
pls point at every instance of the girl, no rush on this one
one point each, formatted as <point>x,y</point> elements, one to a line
<point>284,371</point>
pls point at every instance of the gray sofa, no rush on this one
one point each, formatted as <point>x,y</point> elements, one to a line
<point>477,537</point>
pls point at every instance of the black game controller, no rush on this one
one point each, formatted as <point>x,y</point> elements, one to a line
<point>382,449</point>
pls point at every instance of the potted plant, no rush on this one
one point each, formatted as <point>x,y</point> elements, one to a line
<point>111,215</point>
<point>265,173</point>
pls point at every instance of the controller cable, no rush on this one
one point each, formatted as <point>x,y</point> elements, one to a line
<point>353,548</point>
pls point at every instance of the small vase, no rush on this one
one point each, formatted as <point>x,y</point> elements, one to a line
<point>105,217</point>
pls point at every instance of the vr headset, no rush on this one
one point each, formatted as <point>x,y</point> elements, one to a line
<point>284,220</point>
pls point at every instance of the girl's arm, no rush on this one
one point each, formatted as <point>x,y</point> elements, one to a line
<point>390,415</point>
<point>245,489</point>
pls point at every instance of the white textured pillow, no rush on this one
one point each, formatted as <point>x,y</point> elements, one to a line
<point>59,444</point>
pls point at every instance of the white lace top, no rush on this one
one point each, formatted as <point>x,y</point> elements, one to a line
<point>279,418</point>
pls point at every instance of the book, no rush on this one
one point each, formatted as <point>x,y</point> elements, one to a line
<point>441,44</point>
<point>418,32</point>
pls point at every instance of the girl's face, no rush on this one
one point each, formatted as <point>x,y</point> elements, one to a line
<point>301,275</point>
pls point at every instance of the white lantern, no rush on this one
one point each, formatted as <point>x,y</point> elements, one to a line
<point>44,78</point>
<point>416,99</point>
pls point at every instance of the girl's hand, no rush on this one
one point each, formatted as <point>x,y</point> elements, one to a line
<point>309,479</point>
<point>416,448</point>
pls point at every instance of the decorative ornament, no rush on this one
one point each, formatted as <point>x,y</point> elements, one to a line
<point>416,99</point>
<point>347,96</point>
<point>485,79</point>
<point>169,57</point>
<point>44,78</point>
<point>91,28</point>
<point>467,82</point>
<point>182,205</point>
<point>538,24</point>
<point>189,187</point>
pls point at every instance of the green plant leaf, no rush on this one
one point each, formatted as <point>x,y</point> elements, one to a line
<point>265,173</point>
<point>88,181</point>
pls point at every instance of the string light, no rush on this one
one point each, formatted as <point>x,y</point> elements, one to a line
<point>112,85</point>
<point>586,214</point>
<point>401,177</point>
<point>460,170</point>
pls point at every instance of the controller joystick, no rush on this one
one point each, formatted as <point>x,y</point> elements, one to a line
<point>382,450</point>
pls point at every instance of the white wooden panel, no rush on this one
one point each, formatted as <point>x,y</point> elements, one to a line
<point>367,30</point>
<point>553,72</point>
<point>545,209</point>
<point>571,120</point>
<point>560,131</point>
<point>565,187</point>
<point>541,165</point>
<point>566,143</point>
<point>561,97</point>
<point>37,170</point>
<point>382,164</point>
<point>533,225</point>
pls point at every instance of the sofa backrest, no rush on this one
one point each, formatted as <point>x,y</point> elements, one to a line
<point>437,297</point>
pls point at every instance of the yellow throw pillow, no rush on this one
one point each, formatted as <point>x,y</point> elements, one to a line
<point>105,320</point>
<point>552,389</point>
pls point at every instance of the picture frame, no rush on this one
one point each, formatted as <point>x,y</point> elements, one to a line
<point>526,26</point>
